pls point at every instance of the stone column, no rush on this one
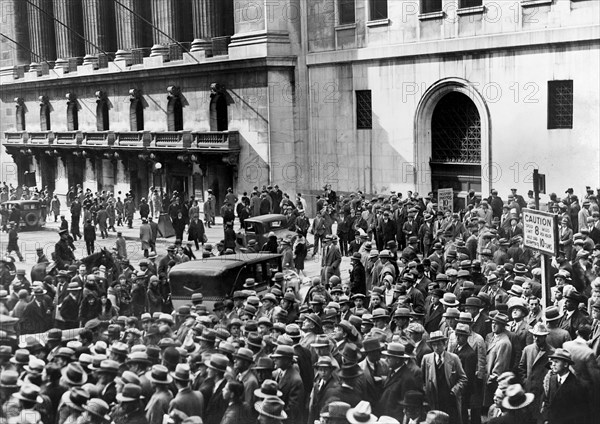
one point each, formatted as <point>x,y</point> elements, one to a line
<point>61,186</point>
<point>108,175</point>
<point>89,179</point>
<point>122,180</point>
<point>130,28</point>
<point>165,16</point>
<point>206,23</point>
<point>15,25</point>
<point>99,28</point>
<point>41,30</point>
<point>69,45</point>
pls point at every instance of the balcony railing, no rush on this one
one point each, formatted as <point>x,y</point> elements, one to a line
<point>212,141</point>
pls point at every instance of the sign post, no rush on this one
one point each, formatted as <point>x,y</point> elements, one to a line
<point>540,232</point>
<point>446,199</point>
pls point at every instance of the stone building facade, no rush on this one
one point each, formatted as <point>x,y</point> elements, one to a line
<point>371,95</point>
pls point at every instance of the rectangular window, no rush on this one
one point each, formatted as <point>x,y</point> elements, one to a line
<point>470,3</point>
<point>378,9</point>
<point>560,104</point>
<point>346,12</point>
<point>364,111</point>
<point>431,6</point>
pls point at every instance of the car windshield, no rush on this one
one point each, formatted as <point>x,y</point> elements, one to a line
<point>251,227</point>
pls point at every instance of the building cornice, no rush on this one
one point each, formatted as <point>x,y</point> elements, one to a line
<point>517,40</point>
<point>167,70</point>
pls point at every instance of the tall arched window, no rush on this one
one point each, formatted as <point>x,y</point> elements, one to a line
<point>102,108</point>
<point>72,112</point>
<point>20,113</point>
<point>219,118</point>
<point>174,109</point>
<point>136,110</point>
<point>44,114</point>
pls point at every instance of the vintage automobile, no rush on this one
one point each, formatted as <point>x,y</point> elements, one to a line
<point>33,212</point>
<point>217,278</point>
<point>258,228</point>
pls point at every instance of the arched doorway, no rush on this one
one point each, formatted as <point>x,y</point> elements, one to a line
<point>452,139</point>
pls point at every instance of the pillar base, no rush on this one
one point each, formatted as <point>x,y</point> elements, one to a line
<point>90,59</point>
<point>160,50</point>
<point>68,64</point>
<point>124,56</point>
<point>200,44</point>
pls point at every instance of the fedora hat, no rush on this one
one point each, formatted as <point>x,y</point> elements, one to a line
<point>562,354</point>
<point>268,388</point>
<point>539,329</point>
<point>35,366</point>
<point>254,339</point>
<point>575,296</point>
<point>245,354</point>
<point>516,398</point>
<point>336,410</point>
<point>321,341</point>
<point>371,344</point>
<point>137,358</point>
<point>518,302</point>
<point>350,371</point>
<point>130,393</point>
<point>380,313</point>
<point>283,351</point>
<point>324,362</point>
<point>9,379</point>
<point>264,363</point>
<point>413,398</point>
<point>21,357</point>
<point>315,318</point>
<point>500,319</point>
<point>160,375</point>
<point>73,287</point>
<point>553,314</point>
<point>449,299</point>
<point>78,397</point>
<point>463,329</point>
<point>396,350</point>
<point>437,336</point>
<point>473,301</point>
<point>108,366</point>
<point>74,374</point>
<point>451,313</point>
<point>129,377</point>
<point>465,318</point>
<point>29,393</point>
<point>181,373</point>
<point>98,408</point>
<point>218,362</point>
<point>271,407</point>
<point>361,414</point>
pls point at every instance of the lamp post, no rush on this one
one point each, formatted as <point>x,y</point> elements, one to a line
<point>158,171</point>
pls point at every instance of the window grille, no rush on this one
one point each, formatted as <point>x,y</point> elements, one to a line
<point>364,110</point>
<point>560,104</point>
<point>378,9</point>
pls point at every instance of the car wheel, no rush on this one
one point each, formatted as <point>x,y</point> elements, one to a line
<point>31,219</point>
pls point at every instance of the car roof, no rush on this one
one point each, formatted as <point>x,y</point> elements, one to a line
<point>21,202</point>
<point>219,264</point>
<point>267,218</point>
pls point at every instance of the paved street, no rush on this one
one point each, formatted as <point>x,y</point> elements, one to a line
<point>46,238</point>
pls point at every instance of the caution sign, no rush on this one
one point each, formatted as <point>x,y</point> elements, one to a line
<point>446,199</point>
<point>540,231</point>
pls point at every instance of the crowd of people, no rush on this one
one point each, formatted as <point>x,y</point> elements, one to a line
<point>440,319</point>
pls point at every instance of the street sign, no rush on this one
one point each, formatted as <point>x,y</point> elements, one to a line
<point>540,231</point>
<point>445,199</point>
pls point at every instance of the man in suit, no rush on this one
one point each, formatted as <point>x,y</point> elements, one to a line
<point>532,366</point>
<point>499,353</point>
<point>37,315</point>
<point>399,381</point>
<point>69,307</point>
<point>243,360</point>
<point>238,411</point>
<point>518,328</point>
<point>468,359</point>
<point>290,384</point>
<point>332,258</point>
<point>480,325</point>
<point>573,317</point>
<point>445,378</point>
<point>324,389</point>
<point>565,400</point>
<point>433,314</point>
<point>375,371</point>
<point>415,331</point>
<point>211,391</point>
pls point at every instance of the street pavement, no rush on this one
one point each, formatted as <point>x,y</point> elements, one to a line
<point>47,237</point>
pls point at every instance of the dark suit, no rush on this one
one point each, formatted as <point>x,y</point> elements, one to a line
<point>321,395</point>
<point>216,405</point>
<point>397,384</point>
<point>532,370</point>
<point>567,403</point>
<point>374,383</point>
<point>433,318</point>
<point>69,310</point>
<point>238,413</point>
<point>573,322</point>
<point>290,384</point>
<point>305,367</point>
<point>422,349</point>
<point>36,318</point>
<point>188,401</point>
<point>468,359</point>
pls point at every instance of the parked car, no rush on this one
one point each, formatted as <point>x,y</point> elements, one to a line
<point>259,227</point>
<point>217,278</point>
<point>32,212</point>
